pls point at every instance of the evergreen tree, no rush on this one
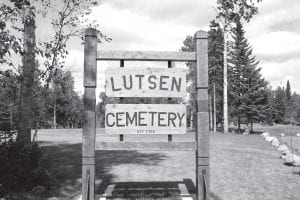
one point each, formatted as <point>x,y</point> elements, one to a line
<point>189,45</point>
<point>215,70</point>
<point>288,115</point>
<point>279,105</point>
<point>248,94</point>
<point>215,66</point>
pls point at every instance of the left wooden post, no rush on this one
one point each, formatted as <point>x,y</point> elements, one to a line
<point>89,118</point>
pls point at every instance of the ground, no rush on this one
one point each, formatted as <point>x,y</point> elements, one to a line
<point>243,167</point>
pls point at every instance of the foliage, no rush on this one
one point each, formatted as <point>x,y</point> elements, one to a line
<point>248,95</point>
<point>69,103</point>
<point>215,66</point>
<point>23,169</point>
<point>215,70</point>
<point>69,106</point>
<point>17,21</point>
<point>9,87</point>
<point>189,45</point>
<point>230,9</point>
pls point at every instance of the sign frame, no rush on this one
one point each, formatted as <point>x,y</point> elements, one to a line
<point>89,119</point>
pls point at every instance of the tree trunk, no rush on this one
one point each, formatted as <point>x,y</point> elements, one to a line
<point>239,124</point>
<point>225,104</point>
<point>54,114</point>
<point>11,115</point>
<point>26,92</point>
<point>210,115</point>
<point>215,112</point>
<point>191,123</point>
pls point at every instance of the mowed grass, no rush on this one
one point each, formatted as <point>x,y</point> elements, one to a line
<point>242,167</point>
<point>289,131</point>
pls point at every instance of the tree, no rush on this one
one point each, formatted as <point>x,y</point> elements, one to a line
<point>189,45</point>
<point>227,11</point>
<point>66,102</point>
<point>279,105</point>
<point>215,69</point>
<point>288,115</point>
<point>9,87</point>
<point>248,92</point>
<point>68,20</point>
<point>215,63</point>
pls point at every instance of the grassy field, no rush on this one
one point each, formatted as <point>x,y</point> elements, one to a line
<point>242,168</point>
<point>288,130</point>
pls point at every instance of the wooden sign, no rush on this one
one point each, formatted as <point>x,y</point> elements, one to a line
<point>145,82</point>
<point>145,119</point>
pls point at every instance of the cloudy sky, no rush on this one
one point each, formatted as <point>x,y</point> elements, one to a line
<point>163,24</point>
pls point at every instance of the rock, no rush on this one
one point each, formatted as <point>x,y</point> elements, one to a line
<point>282,148</point>
<point>265,134</point>
<point>79,197</point>
<point>275,143</point>
<point>53,198</point>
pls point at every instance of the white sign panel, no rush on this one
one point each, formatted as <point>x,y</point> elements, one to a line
<point>145,82</point>
<point>145,119</point>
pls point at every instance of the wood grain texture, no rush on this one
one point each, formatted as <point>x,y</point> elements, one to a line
<point>89,116</point>
<point>147,56</point>
<point>145,82</point>
<point>202,128</point>
<point>147,146</point>
<point>145,119</point>
<point>88,182</point>
<point>90,63</point>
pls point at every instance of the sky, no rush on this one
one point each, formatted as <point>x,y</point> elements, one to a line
<point>162,25</point>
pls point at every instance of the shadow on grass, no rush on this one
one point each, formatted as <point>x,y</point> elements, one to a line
<point>65,164</point>
<point>151,190</point>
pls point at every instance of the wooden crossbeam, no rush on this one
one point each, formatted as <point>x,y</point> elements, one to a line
<point>147,56</point>
<point>147,146</point>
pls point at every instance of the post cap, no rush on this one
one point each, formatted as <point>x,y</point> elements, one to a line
<point>91,32</point>
<point>201,34</point>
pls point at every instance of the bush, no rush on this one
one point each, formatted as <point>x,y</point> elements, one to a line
<point>23,169</point>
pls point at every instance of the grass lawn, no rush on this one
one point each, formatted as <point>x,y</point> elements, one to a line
<point>288,130</point>
<point>242,167</point>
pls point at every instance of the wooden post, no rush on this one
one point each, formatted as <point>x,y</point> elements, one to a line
<point>121,136</point>
<point>89,118</point>
<point>202,128</point>
<point>170,65</point>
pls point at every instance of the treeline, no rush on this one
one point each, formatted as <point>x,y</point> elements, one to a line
<point>56,104</point>
<point>250,98</point>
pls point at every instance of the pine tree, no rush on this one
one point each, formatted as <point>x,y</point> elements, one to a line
<point>248,94</point>
<point>288,115</point>
<point>215,70</point>
<point>279,105</point>
<point>215,67</point>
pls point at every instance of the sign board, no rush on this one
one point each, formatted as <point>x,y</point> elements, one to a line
<point>145,119</point>
<point>145,82</point>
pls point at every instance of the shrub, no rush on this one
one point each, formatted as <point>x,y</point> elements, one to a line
<point>23,169</point>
